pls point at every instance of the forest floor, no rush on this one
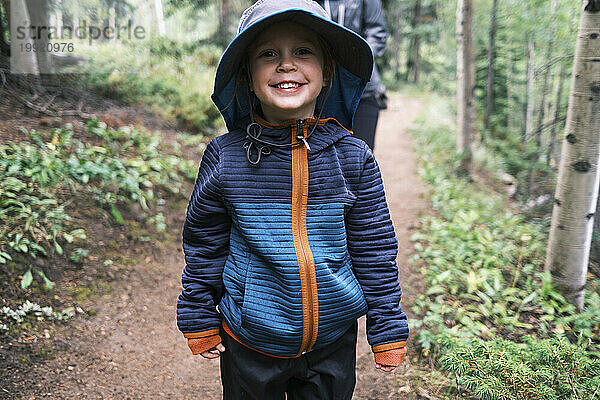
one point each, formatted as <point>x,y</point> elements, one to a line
<point>131,348</point>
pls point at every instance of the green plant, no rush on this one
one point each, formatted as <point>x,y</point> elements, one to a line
<point>549,369</point>
<point>35,175</point>
<point>78,254</point>
<point>483,265</point>
<point>27,279</point>
<point>170,77</point>
<point>33,311</point>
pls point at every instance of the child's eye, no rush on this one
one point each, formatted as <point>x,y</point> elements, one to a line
<point>304,51</point>
<point>267,53</point>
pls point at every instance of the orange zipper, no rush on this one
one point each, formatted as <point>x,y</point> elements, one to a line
<point>310,304</point>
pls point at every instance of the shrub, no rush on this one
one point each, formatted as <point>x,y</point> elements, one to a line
<point>549,369</point>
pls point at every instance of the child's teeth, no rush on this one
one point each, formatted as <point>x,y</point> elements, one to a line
<point>287,85</point>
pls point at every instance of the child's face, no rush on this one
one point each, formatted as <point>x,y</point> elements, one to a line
<point>286,69</point>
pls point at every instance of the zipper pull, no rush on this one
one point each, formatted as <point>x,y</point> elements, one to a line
<point>300,134</point>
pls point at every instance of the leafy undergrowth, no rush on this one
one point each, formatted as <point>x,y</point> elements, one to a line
<point>68,203</point>
<point>490,313</point>
<point>172,78</point>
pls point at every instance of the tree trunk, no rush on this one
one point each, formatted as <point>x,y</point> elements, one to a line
<point>530,89</point>
<point>397,42</point>
<point>21,61</point>
<point>509,91</point>
<point>75,22</point>
<point>489,98</point>
<point>112,21</point>
<point>38,14</point>
<point>559,92</point>
<point>595,247</point>
<point>541,110</point>
<point>4,27</point>
<point>466,83</point>
<point>412,65</point>
<point>160,20</point>
<point>223,32</point>
<point>579,174</point>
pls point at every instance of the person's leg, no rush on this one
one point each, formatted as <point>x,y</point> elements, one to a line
<point>365,121</point>
<point>248,375</point>
<point>328,373</point>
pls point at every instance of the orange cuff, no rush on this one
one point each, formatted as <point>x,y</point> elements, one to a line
<point>199,342</point>
<point>390,354</point>
<point>201,345</point>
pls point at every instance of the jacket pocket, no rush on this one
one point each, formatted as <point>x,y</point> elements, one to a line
<point>272,308</point>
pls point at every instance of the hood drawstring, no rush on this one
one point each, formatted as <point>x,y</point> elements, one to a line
<point>255,145</point>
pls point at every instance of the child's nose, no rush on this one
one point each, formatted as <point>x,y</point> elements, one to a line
<point>286,65</point>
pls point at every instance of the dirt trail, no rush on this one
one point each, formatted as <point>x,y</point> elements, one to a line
<point>133,350</point>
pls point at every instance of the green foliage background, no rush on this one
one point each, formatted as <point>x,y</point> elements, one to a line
<point>488,304</point>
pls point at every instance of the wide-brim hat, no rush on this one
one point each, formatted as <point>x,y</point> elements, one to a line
<point>353,56</point>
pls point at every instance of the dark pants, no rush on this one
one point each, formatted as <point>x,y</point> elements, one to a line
<point>325,374</point>
<point>365,120</point>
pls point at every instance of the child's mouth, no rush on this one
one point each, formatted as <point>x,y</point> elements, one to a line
<point>288,85</point>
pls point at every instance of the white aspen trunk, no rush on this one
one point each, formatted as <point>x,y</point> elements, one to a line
<point>543,103</point>
<point>160,20</point>
<point>578,174</point>
<point>466,82</point>
<point>21,60</point>
<point>59,16</point>
<point>76,22</point>
<point>38,14</point>
<point>530,89</point>
<point>112,21</point>
<point>551,159</point>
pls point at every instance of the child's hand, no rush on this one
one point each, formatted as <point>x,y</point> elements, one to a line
<point>384,368</point>
<point>387,360</point>
<point>215,352</point>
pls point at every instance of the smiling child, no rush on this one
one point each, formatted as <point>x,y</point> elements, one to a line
<point>288,237</point>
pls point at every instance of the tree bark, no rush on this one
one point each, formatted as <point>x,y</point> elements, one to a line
<point>412,65</point>
<point>38,14</point>
<point>75,22</point>
<point>397,42</point>
<point>112,21</point>
<point>160,20</point>
<point>4,27</point>
<point>542,106</point>
<point>509,91</point>
<point>21,61</point>
<point>489,98</point>
<point>559,92</point>
<point>530,89</point>
<point>223,32</point>
<point>466,83</point>
<point>578,177</point>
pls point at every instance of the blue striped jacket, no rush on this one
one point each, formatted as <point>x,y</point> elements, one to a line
<point>287,254</point>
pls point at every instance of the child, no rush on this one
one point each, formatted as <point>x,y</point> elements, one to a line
<point>288,238</point>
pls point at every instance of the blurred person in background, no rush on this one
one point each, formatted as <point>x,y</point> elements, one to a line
<point>366,18</point>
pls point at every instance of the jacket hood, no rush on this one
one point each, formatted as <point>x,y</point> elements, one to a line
<point>352,54</point>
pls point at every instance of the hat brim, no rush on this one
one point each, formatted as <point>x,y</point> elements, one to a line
<point>348,48</point>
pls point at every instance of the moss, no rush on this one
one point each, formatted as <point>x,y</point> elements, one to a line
<point>82,293</point>
<point>46,354</point>
<point>134,230</point>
